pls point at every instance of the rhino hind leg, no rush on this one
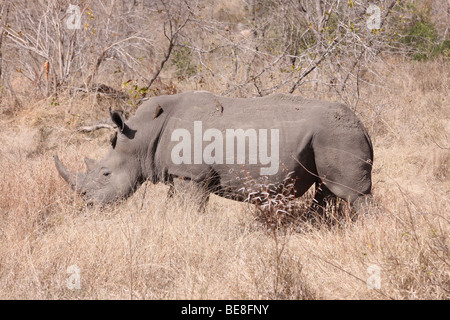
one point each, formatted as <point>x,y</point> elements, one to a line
<point>345,167</point>
<point>322,196</point>
<point>365,204</point>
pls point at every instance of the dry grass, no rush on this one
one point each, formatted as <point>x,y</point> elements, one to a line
<point>149,249</point>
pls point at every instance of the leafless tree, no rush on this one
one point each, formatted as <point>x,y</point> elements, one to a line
<point>286,44</point>
<point>60,44</point>
<point>4,11</point>
<point>235,47</point>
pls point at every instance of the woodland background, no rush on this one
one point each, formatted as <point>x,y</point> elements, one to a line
<point>58,79</point>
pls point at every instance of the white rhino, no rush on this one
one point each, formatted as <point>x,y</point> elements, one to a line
<point>222,143</point>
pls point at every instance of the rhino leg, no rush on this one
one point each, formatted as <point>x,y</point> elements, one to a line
<point>364,205</point>
<point>186,191</point>
<point>344,163</point>
<point>322,196</point>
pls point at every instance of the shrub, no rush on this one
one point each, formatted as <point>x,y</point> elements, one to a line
<point>423,38</point>
<point>182,60</point>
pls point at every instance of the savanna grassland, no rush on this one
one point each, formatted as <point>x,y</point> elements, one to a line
<point>151,248</point>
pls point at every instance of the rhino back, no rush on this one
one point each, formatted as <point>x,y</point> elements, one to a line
<point>297,120</point>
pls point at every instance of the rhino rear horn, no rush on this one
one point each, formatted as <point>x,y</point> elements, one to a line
<point>90,163</point>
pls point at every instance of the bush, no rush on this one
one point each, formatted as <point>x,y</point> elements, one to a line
<point>182,60</point>
<point>423,39</point>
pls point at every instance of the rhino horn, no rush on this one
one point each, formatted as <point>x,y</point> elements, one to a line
<point>70,177</point>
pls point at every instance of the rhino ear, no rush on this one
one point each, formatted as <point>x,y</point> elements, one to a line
<point>118,118</point>
<point>158,112</point>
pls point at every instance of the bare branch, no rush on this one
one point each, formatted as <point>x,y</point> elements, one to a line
<point>172,37</point>
<point>95,127</point>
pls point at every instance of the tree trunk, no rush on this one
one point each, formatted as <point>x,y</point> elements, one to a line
<point>4,17</point>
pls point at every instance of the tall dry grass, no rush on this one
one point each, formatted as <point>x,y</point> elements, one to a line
<point>150,248</point>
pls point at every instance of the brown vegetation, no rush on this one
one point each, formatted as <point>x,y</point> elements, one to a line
<point>150,248</point>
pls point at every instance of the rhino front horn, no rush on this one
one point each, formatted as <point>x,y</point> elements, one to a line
<point>66,174</point>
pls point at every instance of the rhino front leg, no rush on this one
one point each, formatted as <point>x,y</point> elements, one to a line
<point>170,182</point>
<point>186,191</point>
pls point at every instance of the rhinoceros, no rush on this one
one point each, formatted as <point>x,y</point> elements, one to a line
<point>221,144</point>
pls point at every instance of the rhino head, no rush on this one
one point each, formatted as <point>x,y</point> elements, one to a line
<point>115,176</point>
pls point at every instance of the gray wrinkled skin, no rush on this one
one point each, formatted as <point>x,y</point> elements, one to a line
<point>318,141</point>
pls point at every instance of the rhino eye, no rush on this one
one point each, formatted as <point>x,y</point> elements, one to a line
<point>106,173</point>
